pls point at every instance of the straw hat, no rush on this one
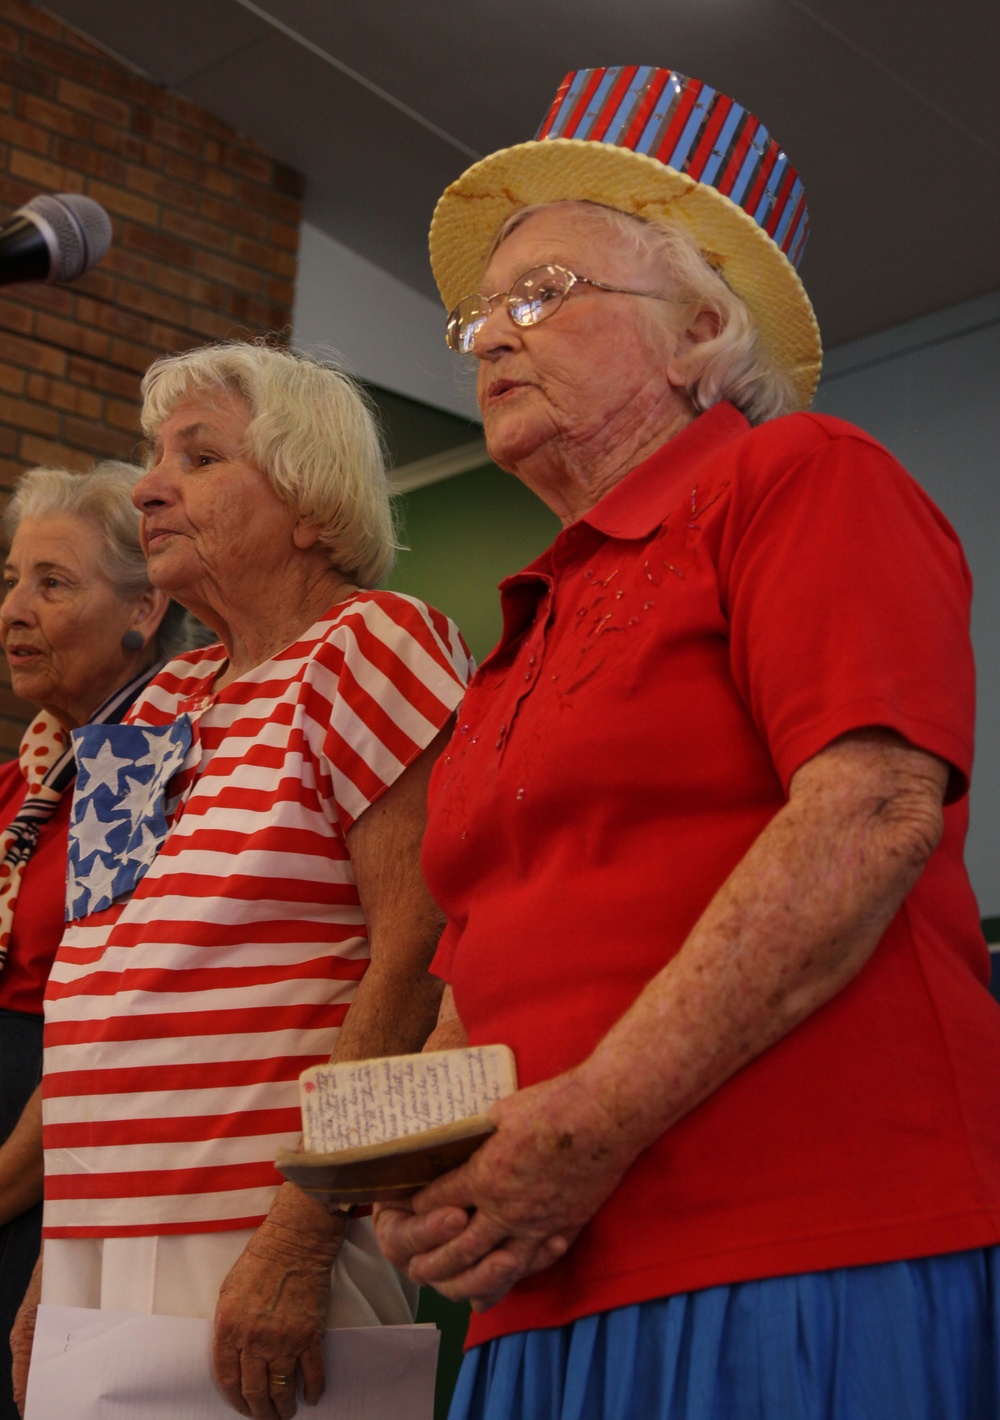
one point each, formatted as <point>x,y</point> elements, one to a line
<point>655,144</point>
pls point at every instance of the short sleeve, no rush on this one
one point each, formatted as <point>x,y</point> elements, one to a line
<point>384,682</point>
<point>849,603</point>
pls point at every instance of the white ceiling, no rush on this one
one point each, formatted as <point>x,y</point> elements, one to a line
<point>888,108</point>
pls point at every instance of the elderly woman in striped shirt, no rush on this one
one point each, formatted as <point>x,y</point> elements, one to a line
<point>244,889</point>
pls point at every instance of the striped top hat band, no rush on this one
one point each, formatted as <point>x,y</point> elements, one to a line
<point>693,129</point>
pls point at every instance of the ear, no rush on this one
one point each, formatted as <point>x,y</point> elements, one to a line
<point>305,535</point>
<point>150,607</point>
<point>704,326</point>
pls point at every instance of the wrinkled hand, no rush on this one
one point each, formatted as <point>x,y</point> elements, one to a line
<point>23,1334</point>
<point>519,1203</point>
<point>272,1309</point>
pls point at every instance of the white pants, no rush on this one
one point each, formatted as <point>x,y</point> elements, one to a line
<point>179,1274</point>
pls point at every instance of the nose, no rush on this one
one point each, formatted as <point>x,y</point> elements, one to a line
<point>153,488</point>
<point>18,606</point>
<point>497,333</point>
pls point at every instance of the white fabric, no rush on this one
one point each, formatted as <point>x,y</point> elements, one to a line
<point>180,1275</point>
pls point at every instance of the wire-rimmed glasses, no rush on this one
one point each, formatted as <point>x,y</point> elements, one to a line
<point>533,297</point>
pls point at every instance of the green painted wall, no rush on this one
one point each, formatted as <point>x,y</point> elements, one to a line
<point>464,535</point>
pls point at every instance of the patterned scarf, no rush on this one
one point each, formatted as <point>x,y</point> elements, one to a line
<point>48,764</point>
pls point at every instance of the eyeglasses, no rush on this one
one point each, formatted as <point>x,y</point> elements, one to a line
<point>533,297</point>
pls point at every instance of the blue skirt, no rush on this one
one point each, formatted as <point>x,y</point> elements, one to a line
<point>898,1341</point>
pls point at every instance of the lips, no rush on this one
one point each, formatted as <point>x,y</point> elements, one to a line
<point>498,389</point>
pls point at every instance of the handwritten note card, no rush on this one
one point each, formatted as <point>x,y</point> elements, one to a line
<point>375,1101</point>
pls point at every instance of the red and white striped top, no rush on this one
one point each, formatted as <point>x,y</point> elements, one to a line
<point>179,1019</point>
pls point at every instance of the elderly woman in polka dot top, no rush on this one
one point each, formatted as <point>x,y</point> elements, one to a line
<point>83,632</point>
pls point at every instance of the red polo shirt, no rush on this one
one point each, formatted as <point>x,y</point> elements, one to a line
<point>738,601</point>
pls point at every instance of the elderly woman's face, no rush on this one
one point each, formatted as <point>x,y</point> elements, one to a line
<point>600,363</point>
<point>213,527</point>
<point>61,620</point>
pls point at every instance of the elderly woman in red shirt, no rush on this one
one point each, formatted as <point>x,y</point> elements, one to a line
<point>699,833</point>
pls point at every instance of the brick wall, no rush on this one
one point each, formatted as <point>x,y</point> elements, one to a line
<point>206,230</point>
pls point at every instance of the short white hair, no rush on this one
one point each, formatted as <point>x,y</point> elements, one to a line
<point>311,433</point>
<point>103,498</point>
<point>733,365</point>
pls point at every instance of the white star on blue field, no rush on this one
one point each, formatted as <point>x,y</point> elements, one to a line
<point>117,821</point>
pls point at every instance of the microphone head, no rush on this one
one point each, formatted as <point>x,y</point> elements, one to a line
<point>77,231</point>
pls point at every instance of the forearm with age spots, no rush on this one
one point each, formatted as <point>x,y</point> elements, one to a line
<point>794,923</point>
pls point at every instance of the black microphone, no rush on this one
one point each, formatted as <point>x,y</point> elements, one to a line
<point>53,239</point>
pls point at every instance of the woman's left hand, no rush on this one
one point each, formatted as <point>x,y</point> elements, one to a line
<point>519,1203</point>
<point>272,1309</point>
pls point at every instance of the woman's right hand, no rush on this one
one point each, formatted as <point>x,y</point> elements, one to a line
<point>22,1336</point>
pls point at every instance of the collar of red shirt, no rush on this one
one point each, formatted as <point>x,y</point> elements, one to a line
<point>637,505</point>
<point>634,508</point>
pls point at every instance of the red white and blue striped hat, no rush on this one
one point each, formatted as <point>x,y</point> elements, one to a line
<point>658,145</point>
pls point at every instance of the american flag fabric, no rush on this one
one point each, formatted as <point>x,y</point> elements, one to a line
<point>179,1018</point>
<point>692,128</point>
<point>118,819</point>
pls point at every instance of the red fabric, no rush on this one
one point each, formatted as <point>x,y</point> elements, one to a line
<point>738,601</point>
<point>38,919</point>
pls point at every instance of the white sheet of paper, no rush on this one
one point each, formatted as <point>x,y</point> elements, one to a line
<point>96,1365</point>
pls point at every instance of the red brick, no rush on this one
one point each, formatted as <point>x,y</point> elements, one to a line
<point>110,443</point>
<point>118,320</point>
<point>189,287</point>
<point>172,135</point>
<point>22,134</point>
<point>276,263</point>
<point>282,293</point>
<point>184,111</point>
<point>78,96</point>
<point>132,88</point>
<point>16,193</point>
<point>117,140</point>
<point>10,440</point>
<point>211,326</point>
<point>289,181</point>
<point>284,235</point>
<point>85,158</point>
<point>12,380</point>
<point>15,315</point>
<point>123,414</point>
<point>152,303</point>
<point>94,374</point>
<point>34,450</point>
<point>216,180</point>
<point>124,204</point>
<point>28,17</point>
<point>130,356</point>
<point>65,396</point>
<point>10,39</point>
<point>56,56</point>
<point>6,98</point>
<point>22,414</point>
<point>253,165</point>
<point>158,244</point>
<point>222,270</point>
<point>206,234</point>
<point>27,76</point>
<point>55,117</point>
<point>235,215</point>
<point>44,174</point>
<point>261,199</point>
<point>154,184</point>
<point>34,355</point>
<point>71,336</point>
<point>56,299</point>
<point>128,264</point>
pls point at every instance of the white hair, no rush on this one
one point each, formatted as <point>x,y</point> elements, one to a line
<point>733,365</point>
<point>103,498</point>
<point>311,433</point>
